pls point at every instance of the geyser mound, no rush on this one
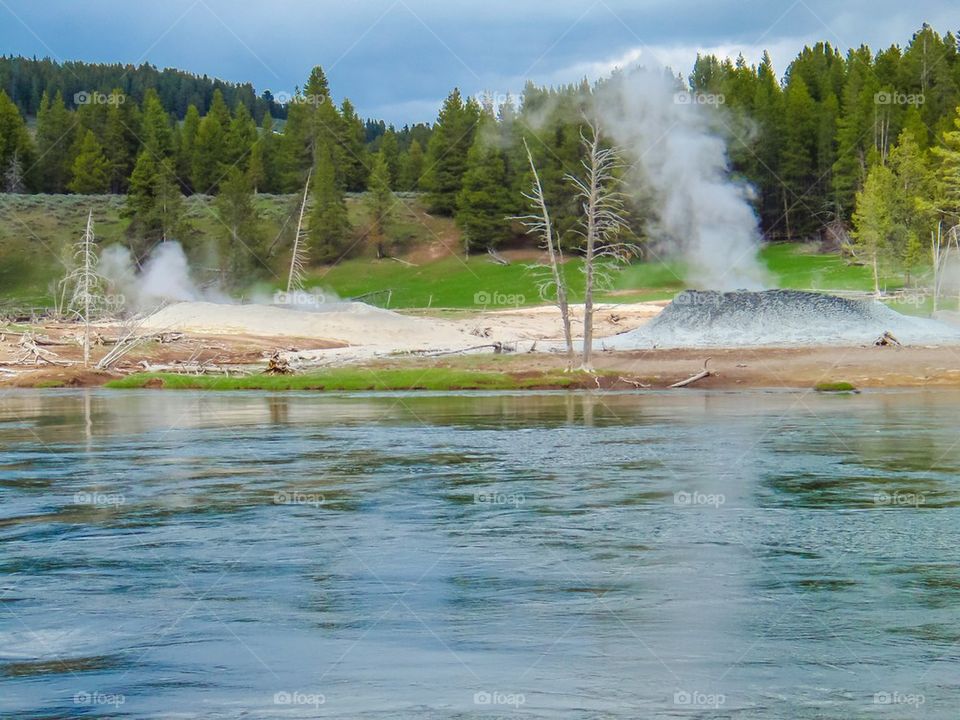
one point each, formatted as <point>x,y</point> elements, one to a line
<point>777,317</point>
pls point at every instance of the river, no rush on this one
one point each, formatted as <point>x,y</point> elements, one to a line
<point>546,555</point>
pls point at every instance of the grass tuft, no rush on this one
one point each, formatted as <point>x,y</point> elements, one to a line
<point>835,387</point>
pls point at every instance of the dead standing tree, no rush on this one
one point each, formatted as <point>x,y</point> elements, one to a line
<point>600,226</point>
<point>86,285</point>
<point>539,223</point>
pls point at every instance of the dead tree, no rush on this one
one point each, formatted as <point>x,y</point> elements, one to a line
<point>298,263</point>
<point>85,284</point>
<point>601,224</point>
<point>539,223</point>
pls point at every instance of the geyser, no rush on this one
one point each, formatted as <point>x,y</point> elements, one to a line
<point>679,164</point>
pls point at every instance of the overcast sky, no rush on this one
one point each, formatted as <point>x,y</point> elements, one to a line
<point>397,59</point>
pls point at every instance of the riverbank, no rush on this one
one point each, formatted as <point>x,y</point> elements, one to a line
<point>731,369</point>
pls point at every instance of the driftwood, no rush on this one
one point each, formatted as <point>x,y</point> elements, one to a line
<point>636,383</point>
<point>886,339</point>
<point>278,365</point>
<point>185,368</point>
<point>694,378</point>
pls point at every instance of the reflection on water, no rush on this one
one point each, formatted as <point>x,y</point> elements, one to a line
<point>762,555</point>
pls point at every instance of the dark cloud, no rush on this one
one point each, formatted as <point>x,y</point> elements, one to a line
<point>398,58</point>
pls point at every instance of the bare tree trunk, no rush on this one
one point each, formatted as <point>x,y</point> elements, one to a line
<point>87,269</point>
<point>555,255</point>
<point>299,260</point>
<point>590,252</point>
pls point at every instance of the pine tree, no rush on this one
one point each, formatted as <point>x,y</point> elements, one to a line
<point>798,159</point>
<point>484,202</point>
<point>912,214</point>
<point>16,147</point>
<point>187,146</point>
<point>329,224</point>
<point>948,154</point>
<point>55,134</point>
<point>241,137</point>
<point>154,204</point>
<point>240,234</point>
<point>390,149</point>
<point>155,126</point>
<point>411,167</point>
<point>91,168</point>
<point>380,202</point>
<point>855,128</point>
<point>121,142</point>
<point>353,143</point>
<point>211,147</point>
<point>447,153</point>
<point>314,126</point>
<point>873,224</point>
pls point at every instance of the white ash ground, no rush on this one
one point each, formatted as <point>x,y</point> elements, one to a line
<point>368,331</point>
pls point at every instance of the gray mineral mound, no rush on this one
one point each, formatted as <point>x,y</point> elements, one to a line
<point>777,317</point>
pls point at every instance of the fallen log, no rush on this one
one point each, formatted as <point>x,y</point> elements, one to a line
<point>694,378</point>
<point>498,348</point>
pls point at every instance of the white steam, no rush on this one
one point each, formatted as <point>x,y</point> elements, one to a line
<point>165,277</point>
<point>680,163</point>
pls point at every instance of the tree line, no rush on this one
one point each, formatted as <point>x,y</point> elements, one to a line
<point>819,146</point>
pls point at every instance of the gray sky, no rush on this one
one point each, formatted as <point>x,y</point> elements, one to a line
<point>397,59</point>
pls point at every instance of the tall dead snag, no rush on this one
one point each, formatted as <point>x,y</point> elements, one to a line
<point>298,263</point>
<point>601,224</point>
<point>85,284</point>
<point>539,223</point>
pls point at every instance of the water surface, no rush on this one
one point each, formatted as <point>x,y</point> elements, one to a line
<point>554,555</point>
